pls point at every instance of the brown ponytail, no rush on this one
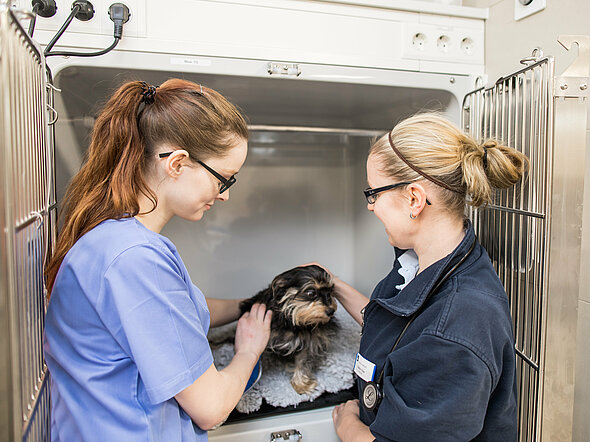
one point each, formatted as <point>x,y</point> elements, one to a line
<point>439,149</point>
<point>124,137</point>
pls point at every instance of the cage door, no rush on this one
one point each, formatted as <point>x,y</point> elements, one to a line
<point>532,231</point>
<point>27,212</point>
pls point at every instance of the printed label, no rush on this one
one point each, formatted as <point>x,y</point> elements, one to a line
<point>190,61</point>
<point>364,368</point>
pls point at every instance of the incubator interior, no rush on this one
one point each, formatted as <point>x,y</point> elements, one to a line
<point>298,197</point>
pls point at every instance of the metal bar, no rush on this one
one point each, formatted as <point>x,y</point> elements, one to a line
<point>515,211</point>
<point>540,62</point>
<point>547,179</point>
<point>321,130</point>
<point>30,220</point>
<point>524,224</point>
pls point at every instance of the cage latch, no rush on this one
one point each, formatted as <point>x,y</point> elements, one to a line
<point>286,435</point>
<point>290,69</point>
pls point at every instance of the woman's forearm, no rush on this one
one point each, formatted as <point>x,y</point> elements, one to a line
<point>222,390</point>
<point>348,425</point>
<point>351,299</point>
<point>357,432</point>
<point>223,311</point>
<point>212,396</point>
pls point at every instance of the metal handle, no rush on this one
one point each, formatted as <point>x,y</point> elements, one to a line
<point>290,69</point>
<point>286,435</point>
<point>55,117</point>
<point>478,82</point>
<point>536,55</point>
<point>51,86</point>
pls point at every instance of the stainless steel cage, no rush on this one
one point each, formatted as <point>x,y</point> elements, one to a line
<point>27,217</point>
<point>532,232</point>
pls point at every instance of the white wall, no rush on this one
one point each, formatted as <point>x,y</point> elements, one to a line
<point>507,41</point>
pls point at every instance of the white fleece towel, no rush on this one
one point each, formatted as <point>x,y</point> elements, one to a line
<point>333,374</point>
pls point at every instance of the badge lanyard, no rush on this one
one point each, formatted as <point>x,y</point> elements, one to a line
<point>373,391</point>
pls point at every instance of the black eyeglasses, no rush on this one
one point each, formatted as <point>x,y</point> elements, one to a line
<point>225,183</point>
<point>372,194</point>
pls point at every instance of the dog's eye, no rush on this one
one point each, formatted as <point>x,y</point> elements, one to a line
<point>310,292</point>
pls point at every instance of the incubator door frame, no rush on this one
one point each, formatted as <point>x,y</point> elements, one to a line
<point>456,84</point>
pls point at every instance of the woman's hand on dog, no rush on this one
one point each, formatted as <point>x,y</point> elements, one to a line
<point>319,265</point>
<point>350,298</point>
<point>253,330</point>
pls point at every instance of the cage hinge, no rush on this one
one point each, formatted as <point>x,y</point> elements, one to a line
<point>571,87</point>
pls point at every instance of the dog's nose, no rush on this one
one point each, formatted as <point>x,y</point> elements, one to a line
<point>330,311</point>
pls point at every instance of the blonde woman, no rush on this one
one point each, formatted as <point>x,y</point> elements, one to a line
<point>436,359</point>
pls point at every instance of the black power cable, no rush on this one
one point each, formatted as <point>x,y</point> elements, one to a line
<point>44,8</point>
<point>33,20</point>
<point>75,9</point>
<point>119,14</point>
<point>86,54</point>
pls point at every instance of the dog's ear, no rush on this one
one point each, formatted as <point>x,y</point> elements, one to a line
<point>318,273</point>
<point>291,277</point>
<point>279,284</point>
<point>264,296</point>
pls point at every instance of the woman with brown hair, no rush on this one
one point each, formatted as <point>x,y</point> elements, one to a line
<point>125,336</point>
<point>436,359</point>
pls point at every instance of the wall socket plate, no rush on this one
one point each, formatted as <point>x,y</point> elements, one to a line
<point>521,11</point>
<point>100,24</point>
<point>442,43</point>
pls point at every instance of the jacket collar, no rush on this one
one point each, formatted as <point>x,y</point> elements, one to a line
<point>407,301</point>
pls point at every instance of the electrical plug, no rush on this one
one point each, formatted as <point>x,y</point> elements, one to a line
<point>44,8</point>
<point>119,14</point>
<point>86,10</point>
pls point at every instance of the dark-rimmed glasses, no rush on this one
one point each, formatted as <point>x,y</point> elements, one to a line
<point>225,183</point>
<point>372,194</point>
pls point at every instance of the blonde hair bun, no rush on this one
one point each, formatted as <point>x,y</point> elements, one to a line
<point>440,150</point>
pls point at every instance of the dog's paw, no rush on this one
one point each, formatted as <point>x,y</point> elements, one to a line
<point>302,383</point>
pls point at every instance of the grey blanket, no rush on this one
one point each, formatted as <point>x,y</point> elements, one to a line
<point>333,374</point>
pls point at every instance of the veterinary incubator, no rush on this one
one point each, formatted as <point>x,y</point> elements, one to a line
<point>318,81</point>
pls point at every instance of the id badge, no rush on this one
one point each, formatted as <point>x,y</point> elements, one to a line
<point>364,368</point>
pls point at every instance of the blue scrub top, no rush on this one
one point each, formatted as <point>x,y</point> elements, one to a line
<point>125,332</point>
<point>452,376</point>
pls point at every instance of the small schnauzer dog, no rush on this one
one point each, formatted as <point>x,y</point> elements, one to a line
<point>303,304</point>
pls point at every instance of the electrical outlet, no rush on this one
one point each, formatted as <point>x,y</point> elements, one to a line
<point>443,43</point>
<point>524,8</point>
<point>64,8</point>
<point>100,23</point>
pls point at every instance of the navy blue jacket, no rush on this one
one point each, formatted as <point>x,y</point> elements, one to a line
<point>453,374</point>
